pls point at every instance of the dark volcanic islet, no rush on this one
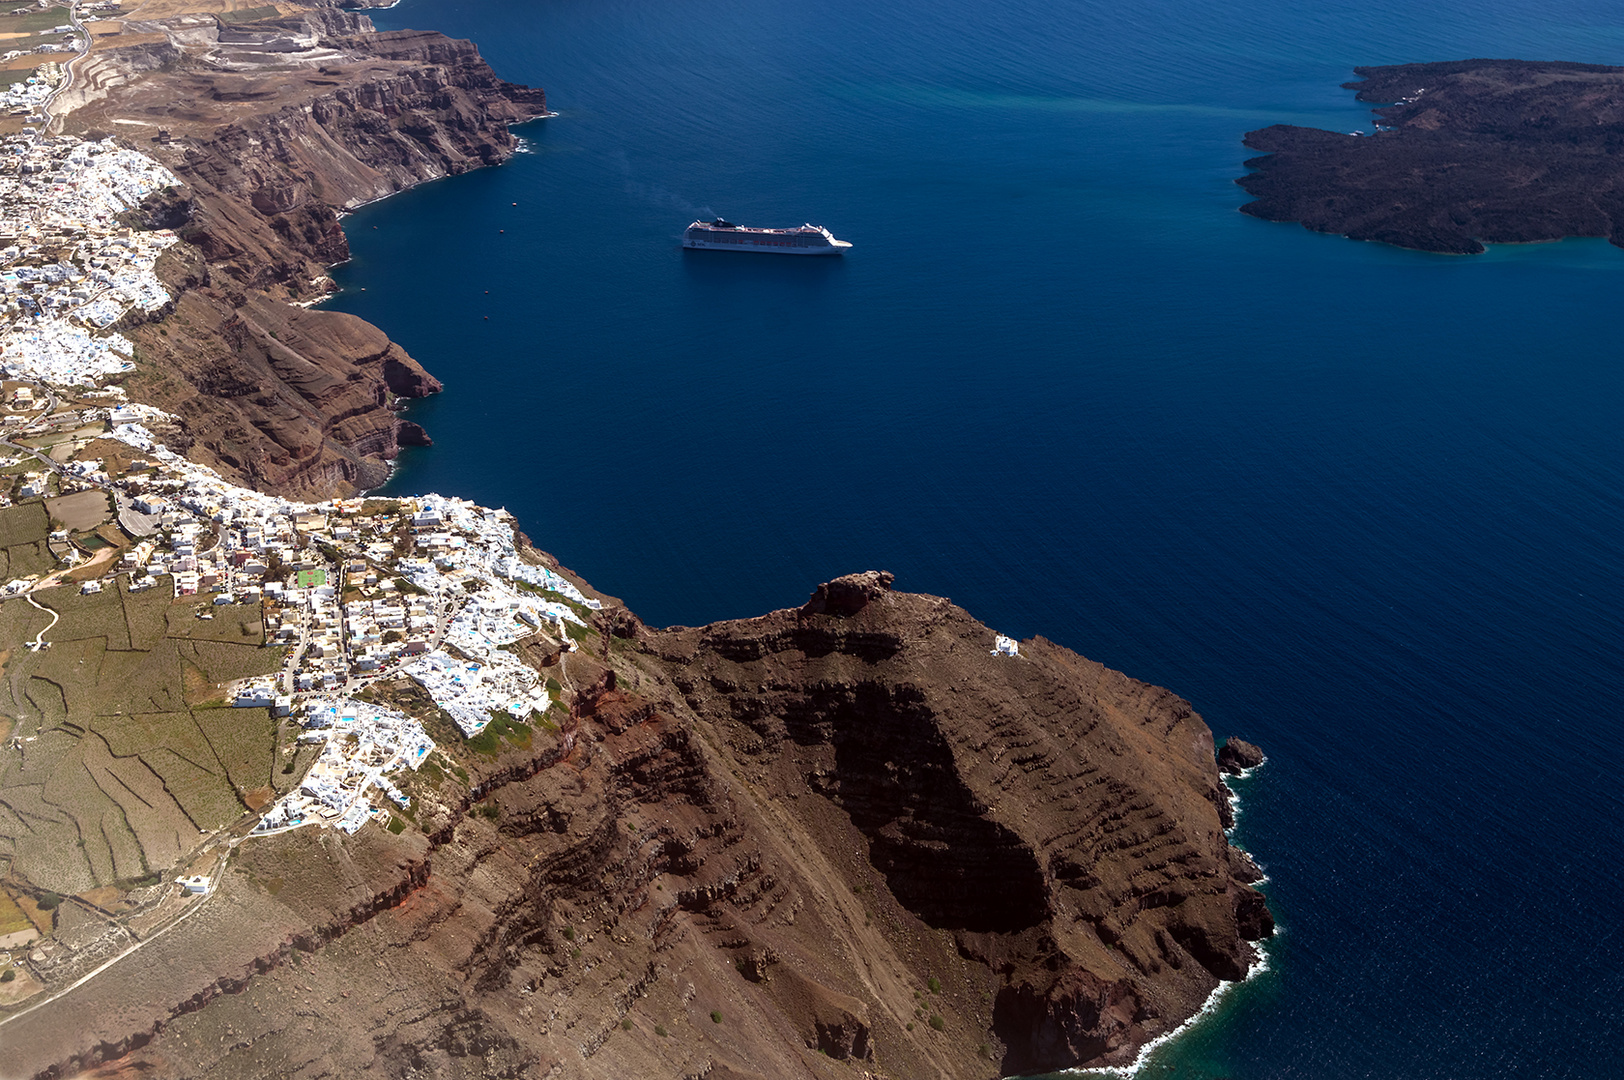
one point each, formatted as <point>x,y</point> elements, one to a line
<point>1471,151</point>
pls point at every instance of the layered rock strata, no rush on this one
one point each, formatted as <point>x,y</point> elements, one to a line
<point>278,398</point>
<point>754,849</point>
<point>841,836</point>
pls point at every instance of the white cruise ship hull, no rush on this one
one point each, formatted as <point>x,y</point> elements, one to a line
<point>721,235</point>
<point>837,248</point>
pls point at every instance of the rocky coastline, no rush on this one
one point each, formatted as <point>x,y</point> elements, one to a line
<point>849,829</point>
<point>847,834</point>
<point>1465,153</point>
<point>272,394</point>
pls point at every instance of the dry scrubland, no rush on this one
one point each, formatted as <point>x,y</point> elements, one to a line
<point>127,755</point>
<point>81,511</point>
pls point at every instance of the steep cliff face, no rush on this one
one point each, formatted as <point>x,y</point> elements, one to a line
<point>1058,820</point>
<point>276,397</point>
<point>267,187</point>
<point>834,837</point>
<point>844,835</point>
<point>288,399</point>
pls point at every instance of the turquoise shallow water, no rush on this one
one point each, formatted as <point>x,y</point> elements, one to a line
<point>1360,505</point>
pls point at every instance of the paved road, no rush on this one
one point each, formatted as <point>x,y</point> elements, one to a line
<point>67,69</point>
<point>39,638</point>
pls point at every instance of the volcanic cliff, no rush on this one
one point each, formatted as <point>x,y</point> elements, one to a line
<point>1468,152</point>
<point>277,397</point>
<point>841,835</point>
<point>844,832</point>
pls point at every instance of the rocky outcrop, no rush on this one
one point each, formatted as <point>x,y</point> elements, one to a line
<point>1057,820</point>
<point>1237,755</point>
<point>1472,151</point>
<point>846,830</point>
<point>293,400</point>
<point>269,185</point>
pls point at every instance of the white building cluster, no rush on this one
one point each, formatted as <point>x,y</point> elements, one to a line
<point>354,590</point>
<point>69,268</point>
<point>364,744</point>
<point>25,96</point>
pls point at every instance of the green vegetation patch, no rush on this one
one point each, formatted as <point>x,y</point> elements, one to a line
<point>175,749</point>
<point>234,624</point>
<point>34,21</point>
<point>245,742</point>
<point>26,560</point>
<point>23,532</point>
<point>145,615</point>
<point>130,734</point>
<point>87,615</point>
<point>12,918</point>
<point>46,701</point>
<point>221,662</point>
<point>163,833</point>
<point>502,728</point>
<point>201,793</point>
<point>25,524</point>
<point>123,774</point>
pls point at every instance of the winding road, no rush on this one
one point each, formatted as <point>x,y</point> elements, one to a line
<point>67,69</point>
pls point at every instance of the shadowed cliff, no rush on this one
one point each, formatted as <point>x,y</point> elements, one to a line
<point>846,832</point>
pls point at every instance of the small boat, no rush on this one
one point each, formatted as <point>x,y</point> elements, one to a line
<point>723,235</point>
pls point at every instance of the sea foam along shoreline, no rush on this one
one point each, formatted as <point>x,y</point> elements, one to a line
<point>1235,801</point>
<point>1214,999</point>
<point>1208,1008</point>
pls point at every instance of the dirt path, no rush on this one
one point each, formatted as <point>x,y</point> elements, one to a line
<point>71,987</point>
<point>39,638</point>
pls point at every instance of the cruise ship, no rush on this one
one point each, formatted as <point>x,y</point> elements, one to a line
<point>723,235</point>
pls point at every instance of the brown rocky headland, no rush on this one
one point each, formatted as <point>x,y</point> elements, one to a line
<point>847,831</point>
<point>843,838</point>
<point>1468,152</point>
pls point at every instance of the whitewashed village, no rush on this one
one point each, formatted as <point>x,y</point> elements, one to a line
<point>354,591</point>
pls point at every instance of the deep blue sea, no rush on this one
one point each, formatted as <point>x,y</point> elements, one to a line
<point>1362,506</point>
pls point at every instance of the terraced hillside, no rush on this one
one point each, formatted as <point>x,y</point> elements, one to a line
<point>122,750</point>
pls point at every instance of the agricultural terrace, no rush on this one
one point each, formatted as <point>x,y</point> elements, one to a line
<point>124,749</point>
<point>23,532</point>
